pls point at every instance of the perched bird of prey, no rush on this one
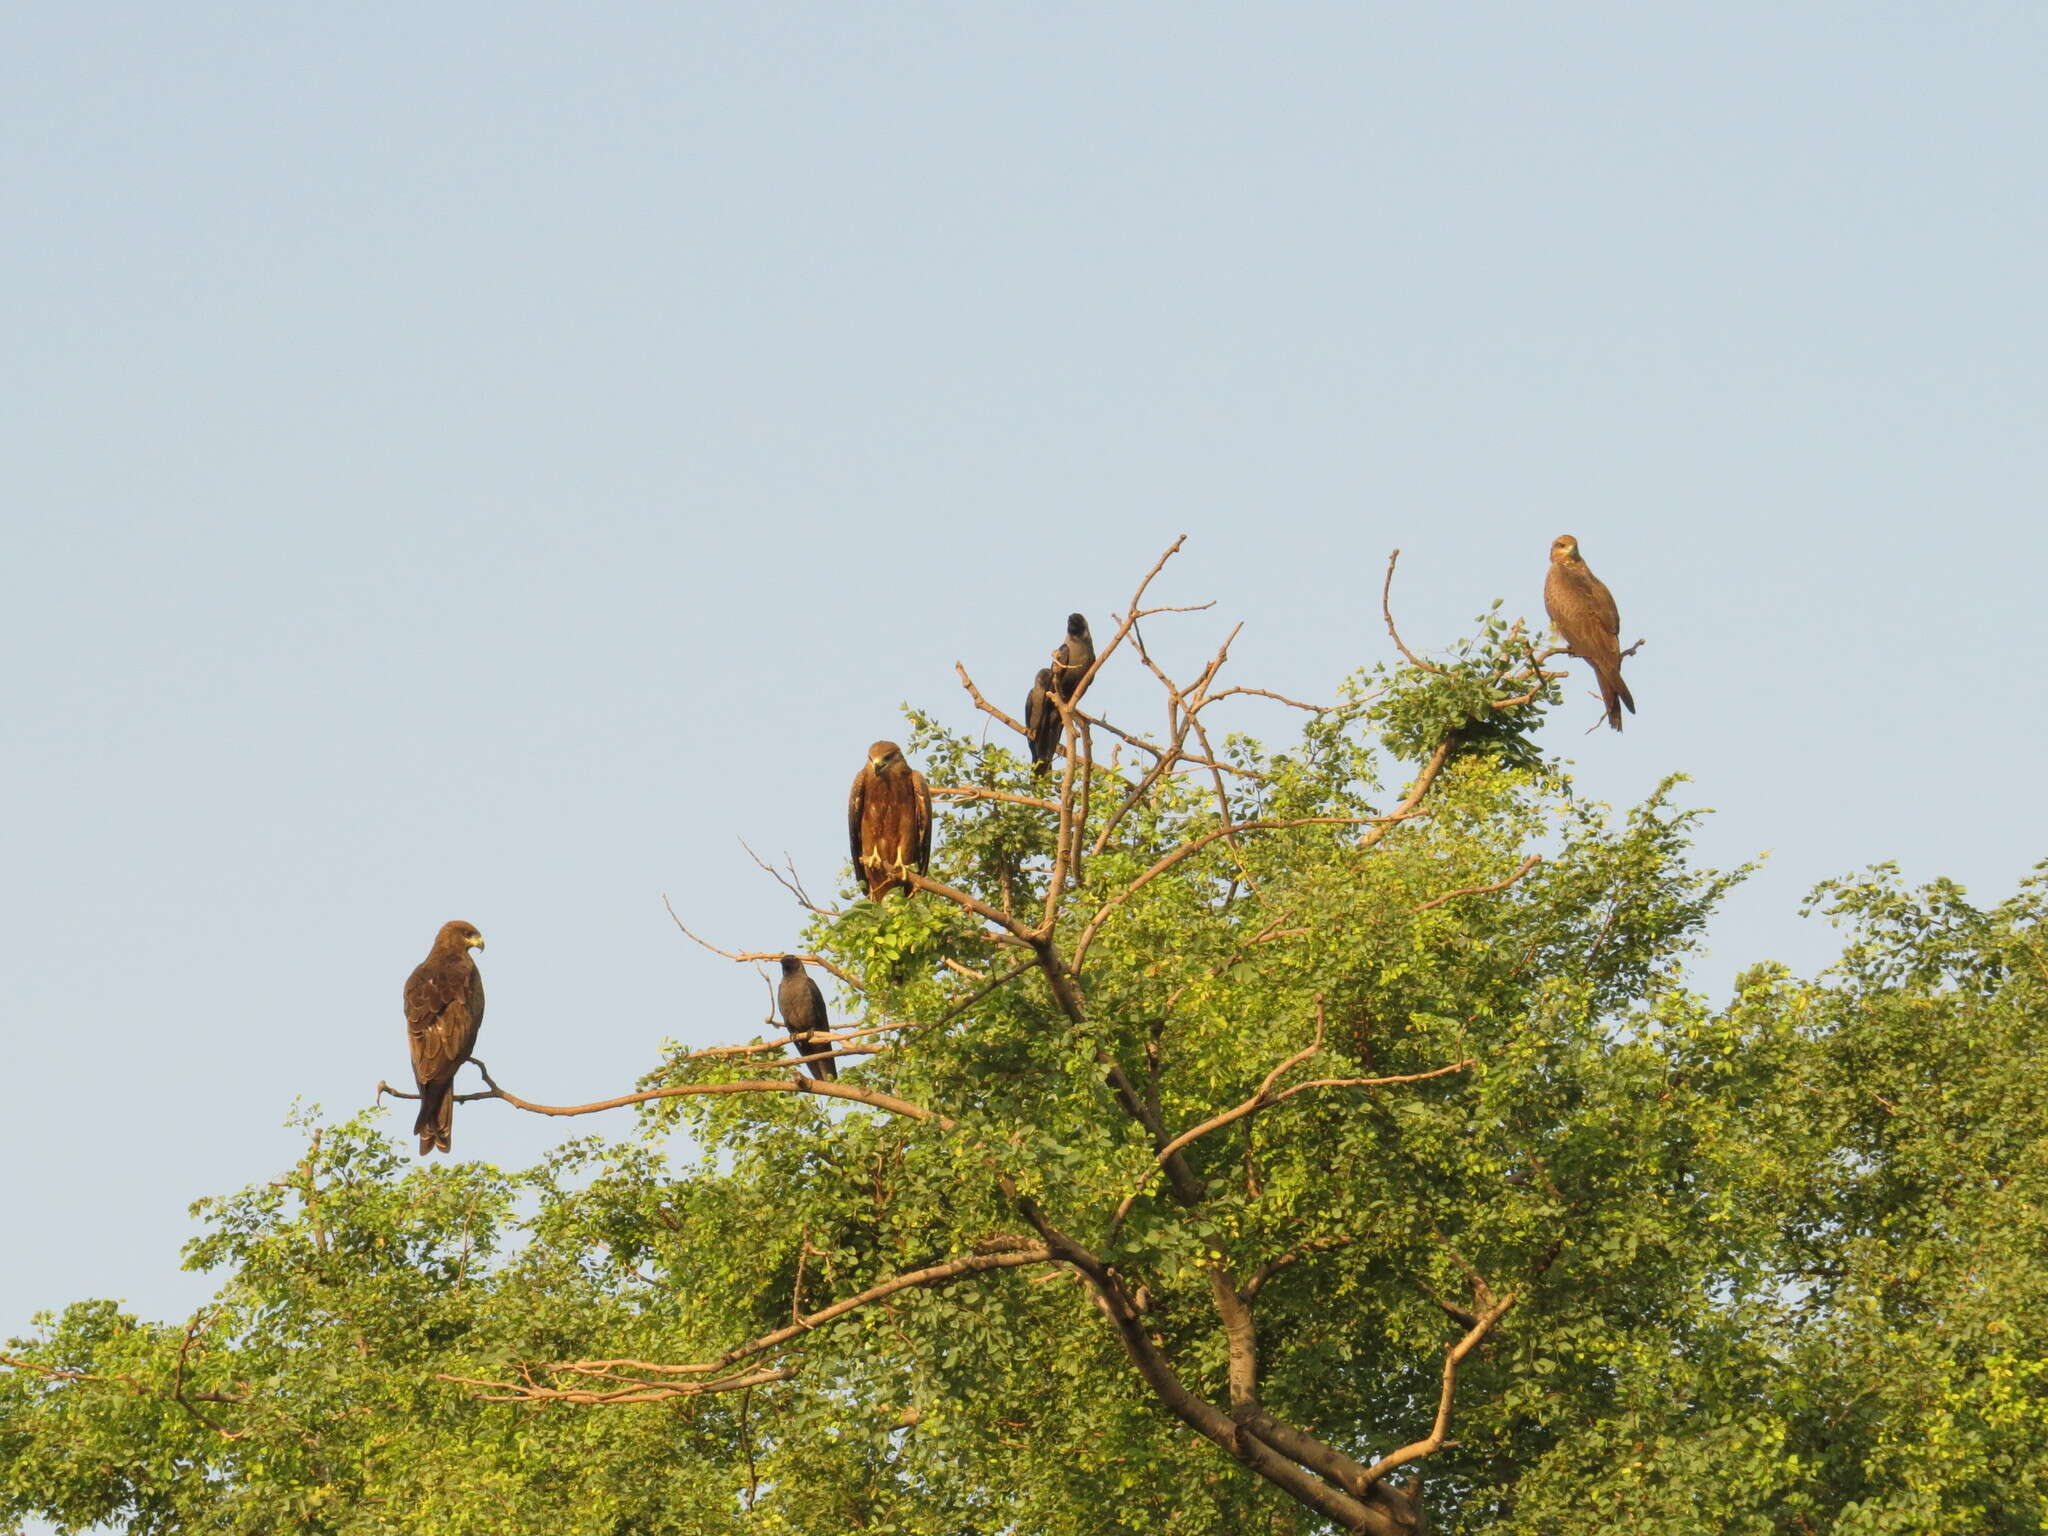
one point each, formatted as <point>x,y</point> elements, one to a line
<point>888,820</point>
<point>803,1015</point>
<point>1582,611</point>
<point>1042,720</point>
<point>1070,663</point>
<point>444,1004</point>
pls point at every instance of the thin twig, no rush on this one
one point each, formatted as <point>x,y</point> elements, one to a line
<point>981,703</point>
<point>750,956</point>
<point>790,883</point>
<point>1387,611</point>
<point>1482,890</point>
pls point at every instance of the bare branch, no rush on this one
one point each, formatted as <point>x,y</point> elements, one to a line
<point>976,792</point>
<point>1482,890</point>
<point>1387,611</point>
<point>1157,751</point>
<point>751,955</point>
<point>1411,806</point>
<point>983,704</point>
<point>1267,693</point>
<point>795,1084</point>
<point>1002,920</point>
<point>789,883</point>
<point>1014,1253</point>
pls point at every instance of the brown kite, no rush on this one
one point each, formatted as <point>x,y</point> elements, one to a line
<point>888,820</point>
<point>1042,720</point>
<point>1582,611</point>
<point>803,1015</point>
<point>1070,663</point>
<point>444,1004</point>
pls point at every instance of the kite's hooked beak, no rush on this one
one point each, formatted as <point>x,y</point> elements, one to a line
<point>477,942</point>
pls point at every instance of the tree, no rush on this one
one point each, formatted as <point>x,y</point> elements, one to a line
<point>1229,1140</point>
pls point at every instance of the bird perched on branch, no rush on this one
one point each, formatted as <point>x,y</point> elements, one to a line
<point>1042,720</point>
<point>888,820</point>
<point>803,1015</point>
<point>1582,611</point>
<point>1070,663</point>
<point>444,1004</point>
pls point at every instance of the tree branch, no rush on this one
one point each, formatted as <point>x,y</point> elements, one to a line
<point>748,956</point>
<point>1264,1097</point>
<point>1387,611</point>
<point>982,704</point>
<point>976,792</point>
<point>1433,1442</point>
<point>794,1084</point>
<point>1482,890</point>
<point>1254,1451</point>
<point>1014,1253</point>
<point>789,883</point>
<point>1411,806</point>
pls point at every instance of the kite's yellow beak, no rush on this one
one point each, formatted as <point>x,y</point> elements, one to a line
<point>477,942</point>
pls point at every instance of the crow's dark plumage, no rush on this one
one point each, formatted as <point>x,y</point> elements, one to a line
<point>444,1005</point>
<point>888,820</point>
<point>1074,657</point>
<point>1583,613</point>
<point>803,1015</point>
<point>1042,720</point>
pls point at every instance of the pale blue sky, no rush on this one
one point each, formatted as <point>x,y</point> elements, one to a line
<point>447,452</point>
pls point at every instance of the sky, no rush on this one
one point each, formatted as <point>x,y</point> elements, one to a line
<point>483,461</point>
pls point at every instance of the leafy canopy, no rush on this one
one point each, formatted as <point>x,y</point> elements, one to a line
<point>1771,1267</point>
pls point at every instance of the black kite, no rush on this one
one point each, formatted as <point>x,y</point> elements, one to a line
<point>888,820</point>
<point>444,1004</point>
<point>1582,611</point>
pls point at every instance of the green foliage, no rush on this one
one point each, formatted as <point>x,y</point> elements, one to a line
<point>1777,1267</point>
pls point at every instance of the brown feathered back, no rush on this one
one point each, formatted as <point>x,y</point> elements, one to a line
<point>1582,611</point>
<point>444,1008</point>
<point>888,820</point>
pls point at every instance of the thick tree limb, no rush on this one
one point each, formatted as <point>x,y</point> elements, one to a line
<point>1348,1512</point>
<point>1433,1442</point>
<point>1411,805</point>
